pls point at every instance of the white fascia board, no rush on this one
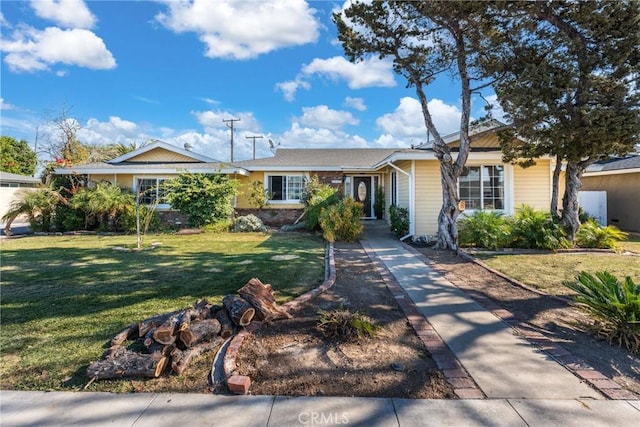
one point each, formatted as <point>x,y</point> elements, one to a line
<point>166,146</point>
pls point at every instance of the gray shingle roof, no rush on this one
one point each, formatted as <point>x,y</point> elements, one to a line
<point>316,158</point>
<point>628,162</point>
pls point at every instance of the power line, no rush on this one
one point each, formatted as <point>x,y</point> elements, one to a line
<point>232,121</point>
<point>254,143</point>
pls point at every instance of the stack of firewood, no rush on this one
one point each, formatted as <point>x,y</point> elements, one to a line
<point>174,339</point>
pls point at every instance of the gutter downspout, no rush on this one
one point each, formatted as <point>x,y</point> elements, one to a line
<point>412,215</point>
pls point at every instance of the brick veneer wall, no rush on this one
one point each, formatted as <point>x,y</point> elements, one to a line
<point>273,217</point>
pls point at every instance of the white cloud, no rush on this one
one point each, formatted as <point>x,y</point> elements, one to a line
<point>305,137</point>
<point>116,130</point>
<point>289,88</point>
<point>355,103</point>
<point>242,29</point>
<point>407,120</point>
<point>5,105</point>
<point>371,72</point>
<point>209,101</point>
<point>212,120</point>
<point>67,13</point>
<point>34,50</point>
<point>322,116</point>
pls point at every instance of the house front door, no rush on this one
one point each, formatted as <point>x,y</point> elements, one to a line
<point>362,193</point>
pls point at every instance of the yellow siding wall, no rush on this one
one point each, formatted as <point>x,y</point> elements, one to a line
<point>160,155</point>
<point>122,181</point>
<point>246,183</point>
<point>532,186</point>
<point>403,184</point>
<point>428,199</point>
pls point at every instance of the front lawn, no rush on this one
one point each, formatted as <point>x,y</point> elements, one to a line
<point>65,297</point>
<point>547,271</point>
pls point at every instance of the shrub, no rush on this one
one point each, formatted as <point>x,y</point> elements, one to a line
<point>342,221</point>
<point>399,218</point>
<point>258,196</point>
<point>248,223</point>
<point>615,306</point>
<point>317,196</point>
<point>204,198</point>
<point>222,226</point>
<point>344,325</point>
<point>536,230</point>
<point>487,229</point>
<point>592,235</point>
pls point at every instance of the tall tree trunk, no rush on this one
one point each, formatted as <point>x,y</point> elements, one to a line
<point>570,205</point>
<point>449,212</point>
<point>555,188</point>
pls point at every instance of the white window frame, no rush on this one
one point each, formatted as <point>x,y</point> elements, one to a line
<point>506,188</point>
<point>137,181</point>
<point>286,198</point>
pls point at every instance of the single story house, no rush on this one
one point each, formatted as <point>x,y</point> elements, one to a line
<point>409,178</point>
<point>620,178</point>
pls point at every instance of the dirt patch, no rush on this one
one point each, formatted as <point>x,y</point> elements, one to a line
<point>567,325</point>
<point>292,358</point>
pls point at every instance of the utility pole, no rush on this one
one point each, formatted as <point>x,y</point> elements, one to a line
<point>254,143</point>
<point>232,121</point>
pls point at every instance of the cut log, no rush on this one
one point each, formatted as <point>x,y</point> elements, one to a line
<point>198,331</point>
<point>185,320</point>
<point>153,322</point>
<point>260,296</point>
<point>201,309</point>
<point>226,327</point>
<point>125,363</point>
<point>240,311</point>
<point>126,333</point>
<point>166,333</point>
<point>181,358</point>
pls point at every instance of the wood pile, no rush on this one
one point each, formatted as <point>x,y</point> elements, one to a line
<point>174,339</point>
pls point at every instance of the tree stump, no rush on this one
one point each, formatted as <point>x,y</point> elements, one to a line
<point>260,296</point>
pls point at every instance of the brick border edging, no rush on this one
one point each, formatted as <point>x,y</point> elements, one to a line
<point>463,384</point>
<point>574,364</point>
<point>230,356</point>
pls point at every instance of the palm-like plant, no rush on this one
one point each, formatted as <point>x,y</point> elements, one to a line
<point>103,203</point>
<point>614,304</point>
<point>591,235</point>
<point>37,204</point>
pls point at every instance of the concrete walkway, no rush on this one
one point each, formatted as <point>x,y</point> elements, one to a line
<point>503,364</point>
<point>522,385</point>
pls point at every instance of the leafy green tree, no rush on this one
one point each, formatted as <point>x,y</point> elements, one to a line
<point>204,198</point>
<point>568,81</point>
<point>16,156</point>
<point>425,39</point>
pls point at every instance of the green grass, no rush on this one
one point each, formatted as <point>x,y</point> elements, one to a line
<point>547,271</point>
<point>65,297</point>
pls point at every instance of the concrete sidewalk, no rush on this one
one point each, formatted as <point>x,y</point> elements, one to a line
<point>524,386</point>
<point>23,408</point>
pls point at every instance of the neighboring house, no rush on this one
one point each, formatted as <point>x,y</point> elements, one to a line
<point>620,178</point>
<point>410,178</point>
<point>10,184</point>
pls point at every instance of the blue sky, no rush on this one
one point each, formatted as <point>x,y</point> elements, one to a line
<point>133,71</point>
